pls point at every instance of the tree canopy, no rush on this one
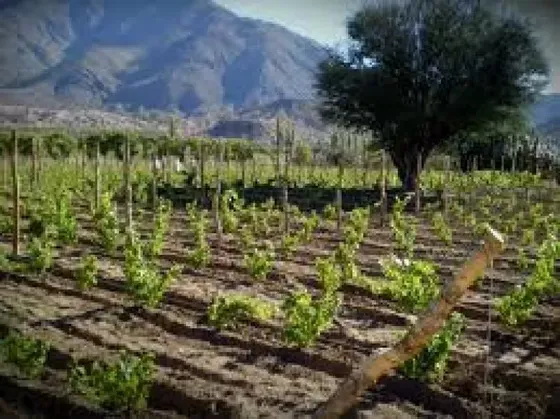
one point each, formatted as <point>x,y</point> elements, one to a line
<point>417,73</point>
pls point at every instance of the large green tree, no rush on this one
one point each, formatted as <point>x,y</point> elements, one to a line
<point>419,72</point>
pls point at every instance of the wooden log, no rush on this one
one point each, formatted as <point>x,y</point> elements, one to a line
<point>375,367</point>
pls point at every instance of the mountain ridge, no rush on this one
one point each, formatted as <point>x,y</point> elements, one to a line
<point>190,56</point>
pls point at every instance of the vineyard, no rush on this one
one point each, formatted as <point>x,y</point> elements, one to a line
<point>162,277</point>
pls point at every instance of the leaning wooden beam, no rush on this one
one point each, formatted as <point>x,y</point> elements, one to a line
<point>375,367</point>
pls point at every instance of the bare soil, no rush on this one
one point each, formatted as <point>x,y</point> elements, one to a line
<point>251,372</point>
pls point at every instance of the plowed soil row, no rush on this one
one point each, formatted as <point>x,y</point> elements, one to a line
<point>251,372</point>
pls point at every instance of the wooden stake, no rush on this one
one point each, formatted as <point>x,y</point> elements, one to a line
<point>287,140</point>
<point>128,183</point>
<point>339,196</point>
<point>417,186</point>
<point>97,175</point>
<point>16,197</point>
<point>383,187</point>
<point>218,194</point>
<point>420,334</point>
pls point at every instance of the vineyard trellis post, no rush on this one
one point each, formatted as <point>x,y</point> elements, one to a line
<point>201,157</point>
<point>154,180</point>
<point>339,195</point>
<point>446,183</point>
<point>84,157</point>
<point>365,163</point>
<point>383,188</point>
<point>417,189</point>
<point>16,192</point>
<point>34,163</point>
<point>127,183</point>
<point>5,163</point>
<point>218,193</point>
<point>288,139</point>
<point>427,325</point>
<point>278,139</point>
<point>97,173</point>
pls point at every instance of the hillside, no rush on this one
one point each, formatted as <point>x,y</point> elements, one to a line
<point>194,56</point>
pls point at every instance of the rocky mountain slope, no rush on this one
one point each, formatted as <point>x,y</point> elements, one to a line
<point>191,55</point>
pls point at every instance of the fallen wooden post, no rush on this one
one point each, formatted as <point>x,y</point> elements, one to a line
<point>429,324</point>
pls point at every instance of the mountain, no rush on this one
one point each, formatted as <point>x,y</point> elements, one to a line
<point>191,55</point>
<point>546,115</point>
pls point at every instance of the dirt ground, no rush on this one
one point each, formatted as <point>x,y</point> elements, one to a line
<point>250,373</point>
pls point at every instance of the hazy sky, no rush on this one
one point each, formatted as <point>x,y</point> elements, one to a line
<point>324,20</point>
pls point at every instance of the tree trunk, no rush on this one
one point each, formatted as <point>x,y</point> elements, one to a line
<point>408,168</point>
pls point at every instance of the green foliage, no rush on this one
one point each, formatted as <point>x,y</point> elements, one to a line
<point>403,227</point>
<point>143,280</point>
<point>87,273</point>
<point>41,251</point>
<point>230,206</point>
<point>161,226</point>
<point>123,384</point>
<point>6,224</point>
<point>290,243</point>
<point>442,230</point>
<point>330,212</point>
<point>259,262</point>
<point>310,224</point>
<point>517,307</point>
<point>227,311</point>
<point>381,82</point>
<point>197,223</point>
<point>27,354</point>
<point>53,210</point>
<point>306,317</point>
<point>412,284</point>
<point>107,223</point>
<point>430,364</point>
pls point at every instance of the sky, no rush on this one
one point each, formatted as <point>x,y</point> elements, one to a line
<point>325,21</point>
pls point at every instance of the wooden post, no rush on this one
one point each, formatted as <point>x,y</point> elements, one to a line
<point>278,139</point>
<point>339,195</point>
<point>218,194</point>
<point>417,186</point>
<point>16,199</point>
<point>287,140</point>
<point>34,163</point>
<point>446,182</point>
<point>365,165</point>
<point>383,187</point>
<point>201,156</point>
<point>154,182</point>
<point>127,183</point>
<point>419,335</point>
<point>97,174</point>
<point>6,170</point>
<point>84,159</point>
